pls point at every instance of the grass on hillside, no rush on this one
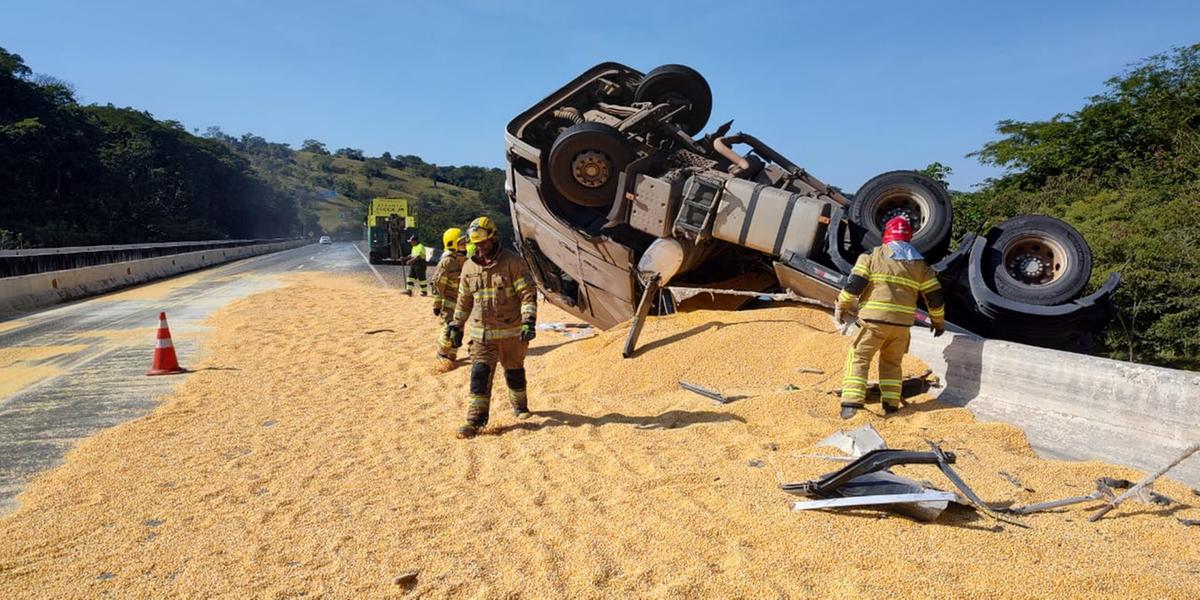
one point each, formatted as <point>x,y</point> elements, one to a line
<point>343,212</point>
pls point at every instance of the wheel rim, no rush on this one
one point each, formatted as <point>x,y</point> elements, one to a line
<point>901,202</point>
<point>591,169</point>
<point>1035,260</point>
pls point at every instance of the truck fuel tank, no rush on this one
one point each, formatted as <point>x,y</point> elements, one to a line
<point>770,220</point>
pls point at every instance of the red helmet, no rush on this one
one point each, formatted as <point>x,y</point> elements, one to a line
<point>897,229</point>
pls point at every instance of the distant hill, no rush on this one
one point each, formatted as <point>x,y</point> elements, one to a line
<point>338,186</point>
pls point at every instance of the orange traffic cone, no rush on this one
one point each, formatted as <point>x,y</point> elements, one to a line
<point>165,362</point>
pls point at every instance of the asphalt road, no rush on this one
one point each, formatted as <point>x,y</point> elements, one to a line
<point>69,371</point>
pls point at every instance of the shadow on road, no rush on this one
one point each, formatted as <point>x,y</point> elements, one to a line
<point>674,419</point>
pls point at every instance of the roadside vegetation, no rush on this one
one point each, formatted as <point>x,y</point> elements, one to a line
<point>1124,169</point>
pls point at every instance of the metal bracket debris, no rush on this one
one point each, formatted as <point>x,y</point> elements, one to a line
<point>703,391</point>
<point>943,462</point>
<point>875,460</point>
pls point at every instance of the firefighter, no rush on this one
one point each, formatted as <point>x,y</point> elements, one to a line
<point>882,295</point>
<point>445,286</point>
<point>496,292</point>
<point>417,263</point>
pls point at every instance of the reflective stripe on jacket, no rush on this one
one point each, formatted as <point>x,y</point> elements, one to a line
<point>445,280</point>
<point>892,288</point>
<point>498,298</point>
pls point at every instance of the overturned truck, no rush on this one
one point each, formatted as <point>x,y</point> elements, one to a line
<point>615,193</point>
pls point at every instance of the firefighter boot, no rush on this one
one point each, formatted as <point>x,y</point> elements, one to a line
<point>481,398</point>
<point>849,409</point>
<point>515,378</point>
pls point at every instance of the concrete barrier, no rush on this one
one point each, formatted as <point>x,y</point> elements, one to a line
<point>26,292</point>
<point>1070,405</point>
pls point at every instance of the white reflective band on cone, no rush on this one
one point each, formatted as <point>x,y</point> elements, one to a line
<point>164,344</point>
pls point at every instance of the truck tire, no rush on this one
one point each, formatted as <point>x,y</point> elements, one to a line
<point>586,161</point>
<point>678,84</point>
<point>1038,260</point>
<point>905,193</point>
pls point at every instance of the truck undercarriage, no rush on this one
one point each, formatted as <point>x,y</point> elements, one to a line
<point>612,187</point>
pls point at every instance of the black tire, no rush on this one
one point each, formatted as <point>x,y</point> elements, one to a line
<point>678,83</point>
<point>578,150</point>
<point>1037,260</point>
<point>923,200</point>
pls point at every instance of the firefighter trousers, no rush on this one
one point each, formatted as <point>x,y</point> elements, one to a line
<point>510,353</point>
<point>890,342</point>
<point>445,350</point>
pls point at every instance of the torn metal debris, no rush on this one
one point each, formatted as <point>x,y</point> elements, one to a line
<point>1103,491</point>
<point>866,481</point>
<point>884,499</point>
<point>1141,490</point>
<point>703,391</point>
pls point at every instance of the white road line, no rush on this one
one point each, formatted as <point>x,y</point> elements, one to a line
<point>373,269</point>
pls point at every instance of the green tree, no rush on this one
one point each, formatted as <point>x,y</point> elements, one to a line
<point>351,153</point>
<point>938,172</point>
<point>314,146</point>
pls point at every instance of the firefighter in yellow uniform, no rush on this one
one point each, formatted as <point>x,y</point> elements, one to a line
<point>497,294</point>
<point>882,295</point>
<point>445,286</point>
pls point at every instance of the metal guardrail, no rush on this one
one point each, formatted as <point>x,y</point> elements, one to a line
<point>14,263</point>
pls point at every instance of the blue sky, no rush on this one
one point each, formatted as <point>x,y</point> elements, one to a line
<point>846,89</point>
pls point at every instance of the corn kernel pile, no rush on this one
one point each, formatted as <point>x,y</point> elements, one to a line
<point>319,460</point>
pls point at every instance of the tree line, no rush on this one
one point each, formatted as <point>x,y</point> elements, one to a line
<point>1124,169</point>
<point>75,174</point>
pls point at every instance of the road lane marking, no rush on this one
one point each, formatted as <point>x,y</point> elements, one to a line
<point>373,269</point>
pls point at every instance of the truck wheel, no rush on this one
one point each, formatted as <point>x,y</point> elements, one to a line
<point>909,194</point>
<point>585,162</point>
<point>1038,260</point>
<point>678,84</point>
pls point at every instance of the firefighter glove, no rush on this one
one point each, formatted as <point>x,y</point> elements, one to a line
<point>528,332</point>
<point>938,329</point>
<point>454,334</point>
<point>437,310</point>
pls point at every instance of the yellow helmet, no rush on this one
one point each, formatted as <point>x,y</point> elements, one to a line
<point>450,238</point>
<point>482,229</point>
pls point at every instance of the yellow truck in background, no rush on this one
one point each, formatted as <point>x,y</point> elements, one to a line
<point>389,225</point>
